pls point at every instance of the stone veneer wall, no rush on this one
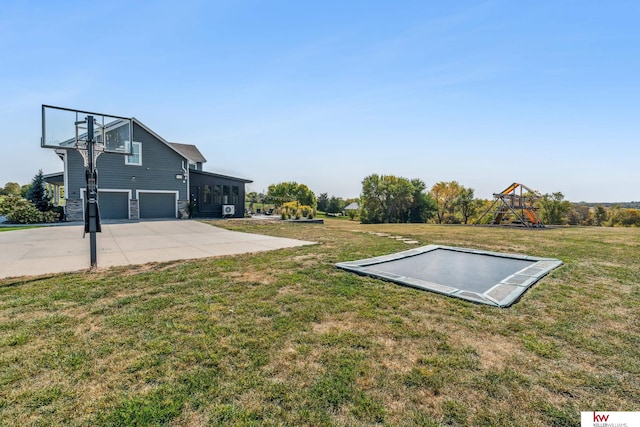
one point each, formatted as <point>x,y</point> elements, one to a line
<point>183,213</point>
<point>134,211</point>
<point>73,210</point>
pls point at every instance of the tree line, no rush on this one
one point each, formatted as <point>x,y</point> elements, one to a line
<point>394,199</point>
<point>384,199</point>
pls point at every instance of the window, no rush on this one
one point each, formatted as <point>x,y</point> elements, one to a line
<point>136,157</point>
<point>235,195</point>
<point>206,195</point>
<point>217,195</point>
<point>225,194</point>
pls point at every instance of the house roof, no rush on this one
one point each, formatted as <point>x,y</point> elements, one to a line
<point>352,206</point>
<point>217,175</point>
<point>56,178</point>
<point>158,137</point>
<point>190,151</point>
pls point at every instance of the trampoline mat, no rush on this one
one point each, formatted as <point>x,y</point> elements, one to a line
<point>479,276</point>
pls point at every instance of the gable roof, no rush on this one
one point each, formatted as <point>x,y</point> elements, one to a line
<point>158,137</point>
<point>352,207</point>
<point>190,151</point>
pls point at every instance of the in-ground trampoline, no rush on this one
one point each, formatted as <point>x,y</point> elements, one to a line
<point>484,277</point>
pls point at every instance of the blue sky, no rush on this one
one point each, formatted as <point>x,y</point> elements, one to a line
<point>327,92</point>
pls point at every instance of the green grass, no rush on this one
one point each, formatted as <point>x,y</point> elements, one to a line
<point>284,338</point>
<point>23,227</point>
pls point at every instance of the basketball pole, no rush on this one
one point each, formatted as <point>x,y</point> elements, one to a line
<point>91,220</point>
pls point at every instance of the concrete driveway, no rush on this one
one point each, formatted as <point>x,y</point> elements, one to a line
<point>58,249</point>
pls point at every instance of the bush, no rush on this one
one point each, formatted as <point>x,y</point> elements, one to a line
<point>623,217</point>
<point>292,210</point>
<point>191,209</point>
<point>21,211</point>
<point>7,203</point>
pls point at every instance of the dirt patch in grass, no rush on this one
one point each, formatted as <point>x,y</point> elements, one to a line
<point>249,277</point>
<point>327,325</point>
<point>495,351</point>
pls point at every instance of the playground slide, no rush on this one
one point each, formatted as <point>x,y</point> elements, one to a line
<point>510,188</point>
<point>531,216</point>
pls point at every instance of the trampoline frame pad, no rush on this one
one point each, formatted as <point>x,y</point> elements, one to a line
<point>501,294</point>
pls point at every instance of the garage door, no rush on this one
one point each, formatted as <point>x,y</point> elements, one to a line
<point>157,205</point>
<point>113,205</point>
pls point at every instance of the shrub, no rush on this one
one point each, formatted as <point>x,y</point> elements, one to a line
<point>296,210</point>
<point>191,209</point>
<point>9,203</point>
<point>22,211</point>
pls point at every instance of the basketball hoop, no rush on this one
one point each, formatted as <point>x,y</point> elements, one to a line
<point>91,134</point>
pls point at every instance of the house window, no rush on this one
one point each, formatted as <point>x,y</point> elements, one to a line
<point>136,157</point>
<point>235,195</point>
<point>225,194</point>
<point>217,195</point>
<point>206,195</point>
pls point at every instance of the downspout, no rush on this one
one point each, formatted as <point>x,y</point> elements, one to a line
<point>188,189</point>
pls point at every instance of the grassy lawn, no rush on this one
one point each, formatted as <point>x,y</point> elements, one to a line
<point>22,227</point>
<point>283,337</point>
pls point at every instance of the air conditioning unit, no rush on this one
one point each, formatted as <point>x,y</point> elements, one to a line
<point>228,210</point>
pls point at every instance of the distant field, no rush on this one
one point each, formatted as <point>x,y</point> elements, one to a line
<point>284,338</point>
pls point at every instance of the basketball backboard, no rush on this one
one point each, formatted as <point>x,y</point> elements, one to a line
<point>65,128</point>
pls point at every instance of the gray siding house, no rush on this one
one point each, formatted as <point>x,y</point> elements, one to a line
<point>159,180</point>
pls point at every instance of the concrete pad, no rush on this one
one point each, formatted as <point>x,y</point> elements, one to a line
<point>58,249</point>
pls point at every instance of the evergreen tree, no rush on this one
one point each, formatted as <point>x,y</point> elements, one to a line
<point>323,200</point>
<point>37,193</point>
